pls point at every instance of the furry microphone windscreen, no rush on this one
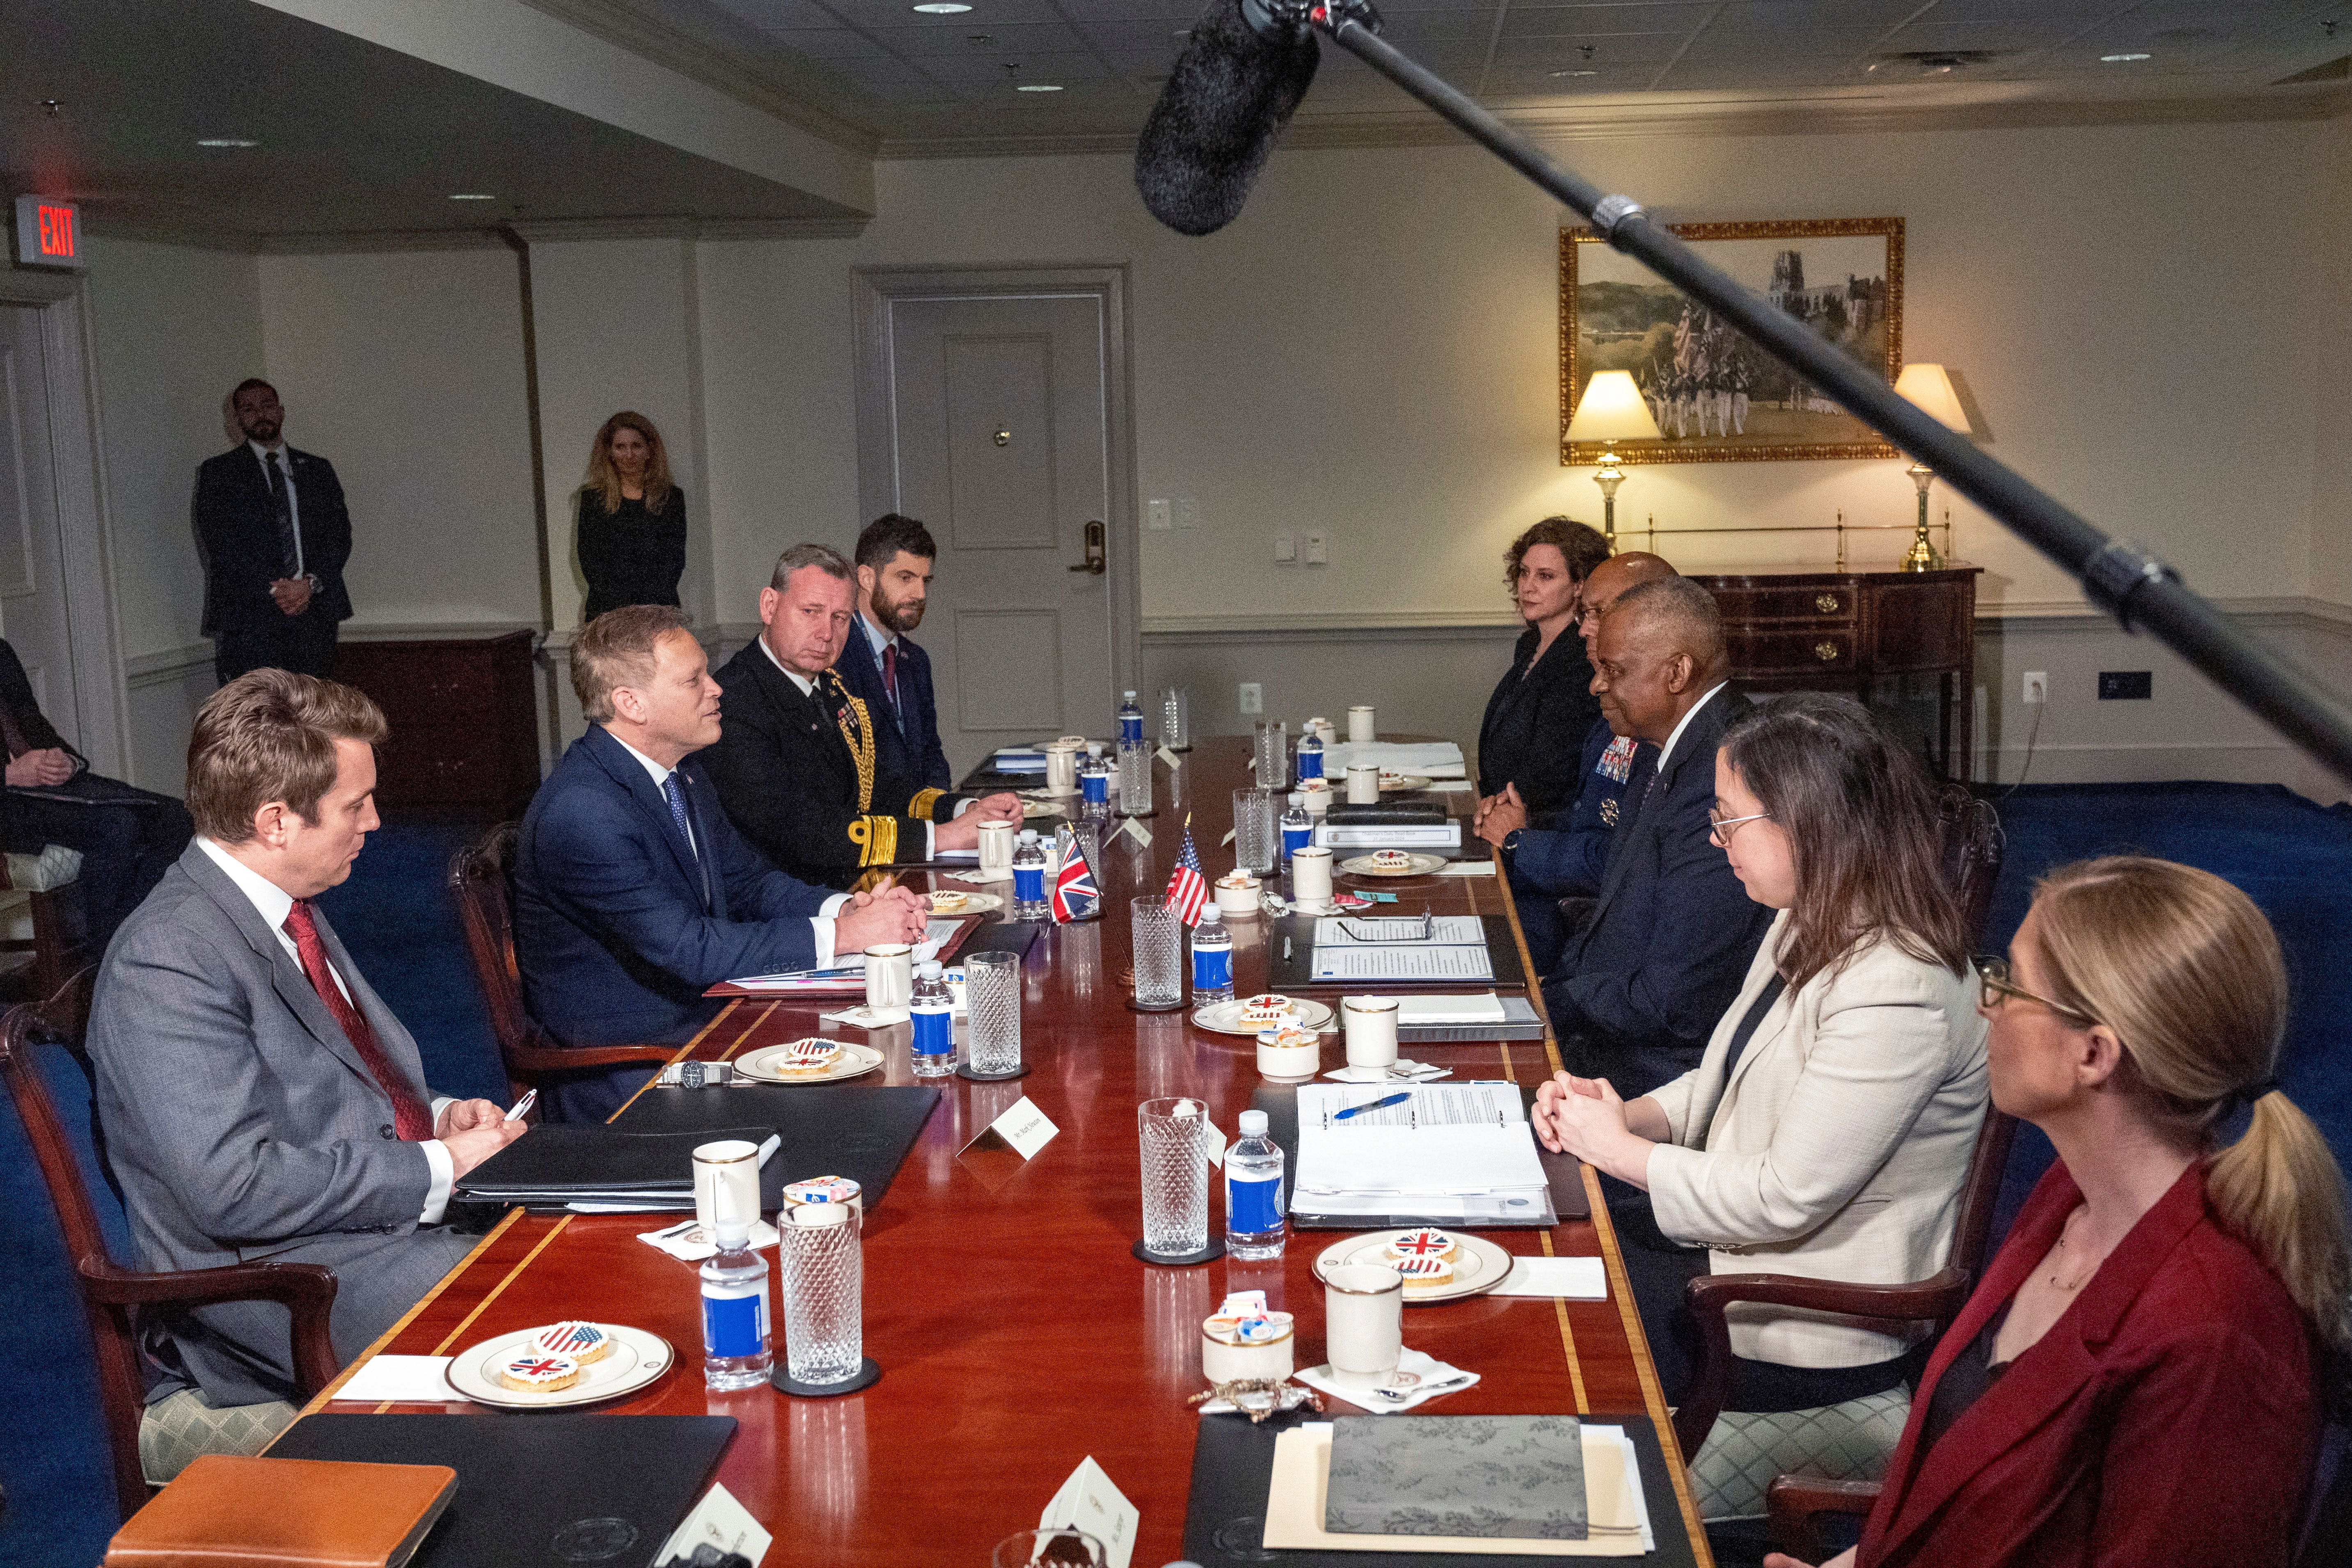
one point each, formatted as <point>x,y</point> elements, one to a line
<point>1230,95</point>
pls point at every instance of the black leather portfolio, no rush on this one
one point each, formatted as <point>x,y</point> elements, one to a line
<point>828,1130</point>
<point>592,1161</point>
<point>544,1487</point>
<point>1290,955</point>
<point>1425,812</point>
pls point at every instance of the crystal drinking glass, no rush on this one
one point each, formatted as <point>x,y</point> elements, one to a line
<point>1135,781</point>
<point>1175,718</point>
<point>1156,936</point>
<point>1175,1176</point>
<point>1258,834</point>
<point>823,1287</point>
<point>1273,742</point>
<point>992,997</point>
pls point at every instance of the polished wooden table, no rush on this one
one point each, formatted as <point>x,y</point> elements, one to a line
<point>1016,1333</point>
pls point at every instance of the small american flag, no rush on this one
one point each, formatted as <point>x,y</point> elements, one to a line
<point>1074,884</point>
<point>1188,889</point>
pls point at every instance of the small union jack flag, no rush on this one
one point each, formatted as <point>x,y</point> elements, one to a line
<point>1074,894</point>
<point>1188,889</point>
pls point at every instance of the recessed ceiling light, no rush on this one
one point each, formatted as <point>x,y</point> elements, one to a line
<point>942,7</point>
<point>226,142</point>
<point>2122,59</point>
<point>473,196</point>
<point>1038,87</point>
<point>1574,73</point>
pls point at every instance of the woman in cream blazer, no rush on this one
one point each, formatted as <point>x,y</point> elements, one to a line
<point>1827,1130</point>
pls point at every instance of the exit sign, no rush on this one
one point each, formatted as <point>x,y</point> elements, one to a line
<point>48,234</point>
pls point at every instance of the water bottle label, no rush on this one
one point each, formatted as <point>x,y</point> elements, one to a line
<point>1310,763</point>
<point>934,1032</point>
<point>1213,969</point>
<point>1097,787</point>
<point>1294,839</point>
<point>1130,729</point>
<point>1029,884</point>
<point>1253,1204</point>
<point>735,1325</point>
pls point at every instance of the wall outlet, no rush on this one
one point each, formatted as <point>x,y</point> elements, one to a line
<point>1285,551</point>
<point>2037,685</point>
<point>1253,697</point>
<point>2129,685</point>
<point>1155,513</point>
<point>1188,512</point>
<point>1315,552</point>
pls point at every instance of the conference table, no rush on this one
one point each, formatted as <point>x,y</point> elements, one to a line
<point>1016,1332</point>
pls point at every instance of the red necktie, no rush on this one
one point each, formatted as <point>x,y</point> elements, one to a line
<point>891,671</point>
<point>411,1118</point>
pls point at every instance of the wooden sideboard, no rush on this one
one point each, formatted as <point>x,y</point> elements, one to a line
<point>1875,634</point>
<point>463,713</point>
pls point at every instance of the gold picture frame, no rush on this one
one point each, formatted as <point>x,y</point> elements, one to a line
<point>1698,372</point>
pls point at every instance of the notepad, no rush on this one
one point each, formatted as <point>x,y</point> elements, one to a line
<point>1404,962</point>
<point>1454,1148</point>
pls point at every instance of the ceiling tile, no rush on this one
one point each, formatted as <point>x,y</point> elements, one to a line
<point>1016,39</point>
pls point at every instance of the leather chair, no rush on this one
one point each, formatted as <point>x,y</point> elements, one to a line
<point>42,937</point>
<point>1972,847</point>
<point>109,1293</point>
<point>481,876</point>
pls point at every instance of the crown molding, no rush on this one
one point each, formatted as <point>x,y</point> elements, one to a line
<point>561,231</point>
<point>554,231</point>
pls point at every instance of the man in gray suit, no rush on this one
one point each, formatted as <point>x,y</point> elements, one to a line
<point>258,1100</point>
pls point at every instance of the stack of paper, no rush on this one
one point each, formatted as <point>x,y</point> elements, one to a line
<point>1455,950</point>
<point>1430,759</point>
<point>1450,1151</point>
<point>1020,759</point>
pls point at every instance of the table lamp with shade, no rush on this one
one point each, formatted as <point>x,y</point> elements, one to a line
<point>1612,410</point>
<point>1931,389</point>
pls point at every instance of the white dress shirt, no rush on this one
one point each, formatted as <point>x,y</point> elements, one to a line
<point>273,903</point>
<point>822,922</point>
<point>293,501</point>
<point>1683,723</point>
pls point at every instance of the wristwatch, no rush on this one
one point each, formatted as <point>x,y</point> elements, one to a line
<point>1511,841</point>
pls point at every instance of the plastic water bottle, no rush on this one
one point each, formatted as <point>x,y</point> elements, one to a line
<point>1298,830</point>
<point>1029,878</point>
<point>735,1343</point>
<point>1254,1224</point>
<point>933,1008</point>
<point>1130,722</point>
<point>1094,786</point>
<point>1212,958</point>
<point>1310,756</point>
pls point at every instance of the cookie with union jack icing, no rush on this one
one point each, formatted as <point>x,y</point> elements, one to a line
<point>586,1344</point>
<point>534,1372</point>
<point>1422,1244</point>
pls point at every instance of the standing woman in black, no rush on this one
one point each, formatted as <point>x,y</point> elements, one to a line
<point>1533,736</point>
<point>629,520</point>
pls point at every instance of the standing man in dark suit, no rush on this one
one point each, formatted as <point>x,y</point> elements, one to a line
<point>634,894</point>
<point>127,836</point>
<point>1636,996</point>
<point>882,666</point>
<point>273,534</point>
<point>796,765</point>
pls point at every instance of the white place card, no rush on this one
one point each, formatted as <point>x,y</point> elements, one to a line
<point>718,1521</point>
<point>1135,825</point>
<point>1216,1147</point>
<point>1576,1278</point>
<point>402,1380</point>
<point>1024,1129</point>
<point>1170,758</point>
<point>1088,1502</point>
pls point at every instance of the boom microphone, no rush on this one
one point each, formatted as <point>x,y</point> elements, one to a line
<point>1234,89</point>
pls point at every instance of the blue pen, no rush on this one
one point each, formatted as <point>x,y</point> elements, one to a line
<point>1380,1104</point>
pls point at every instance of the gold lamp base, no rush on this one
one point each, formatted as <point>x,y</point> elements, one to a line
<point>1922,556</point>
<point>1608,478</point>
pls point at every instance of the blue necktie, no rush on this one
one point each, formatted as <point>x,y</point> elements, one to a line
<point>678,809</point>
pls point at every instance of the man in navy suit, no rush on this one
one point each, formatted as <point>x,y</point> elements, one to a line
<point>633,891</point>
<point>881,665</point>
<point>272,527</point>
<point>1636,996</point>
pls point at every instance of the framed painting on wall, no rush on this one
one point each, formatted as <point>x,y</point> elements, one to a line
<point>1716,396</point>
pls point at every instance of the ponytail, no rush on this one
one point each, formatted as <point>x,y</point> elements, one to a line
<point>2279,1188</point>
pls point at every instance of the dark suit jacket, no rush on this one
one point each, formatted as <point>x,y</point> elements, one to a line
<point>910,756</point>
<point>785,774</point>
<point>1535,724</point>
<point>2170,1416</point>
<point>243,551</point>
<point>619,926</point>
<point>1635,997</point>
<point>1569,860</point>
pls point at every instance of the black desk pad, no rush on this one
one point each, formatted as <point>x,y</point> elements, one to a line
<point>1290,968</point>
<point>538,1488</point>
<point>845,1130</point>
<point>1233,1465</point>
<point>1562,1173</point>
<point>1001,936</point>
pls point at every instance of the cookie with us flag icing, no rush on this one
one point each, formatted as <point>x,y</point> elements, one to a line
<point>584,1343</point>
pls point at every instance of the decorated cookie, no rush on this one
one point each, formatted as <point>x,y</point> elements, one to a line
<point>948,902</point>
<point>807,1058</point>
<point>584,1343</point>
<point>1422,1244</point>
<point>1424,1273</point>
<point>1392,859</point>
<point>1267,1010</point>
<point>1237,880</point>
<point>533,1373</point>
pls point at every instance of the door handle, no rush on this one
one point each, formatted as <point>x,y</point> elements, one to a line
<point>1094,565</point>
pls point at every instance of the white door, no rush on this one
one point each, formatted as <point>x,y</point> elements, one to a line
<point>35,614</point>
<point>1001,426</point>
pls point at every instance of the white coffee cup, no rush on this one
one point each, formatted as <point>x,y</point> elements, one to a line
<point>1372,1027</point>
<point>996,851</point>
<point>1360,727</point>
<point>1310,875</point>
<point>1237,901</point>
<point>1363,1321</point>
<point>1062,766</point>
<point>1323,730</point>
<point>890,975</point>
<point>734,1164</point>
<point>1316,796</point>
<point>1363,785</point>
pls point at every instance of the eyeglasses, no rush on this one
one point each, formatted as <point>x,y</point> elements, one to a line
<point>1722,828</point>
<point>1998,988</point>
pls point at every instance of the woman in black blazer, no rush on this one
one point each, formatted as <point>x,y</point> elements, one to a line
<point>1533,735</point>
<point>629,520</point>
